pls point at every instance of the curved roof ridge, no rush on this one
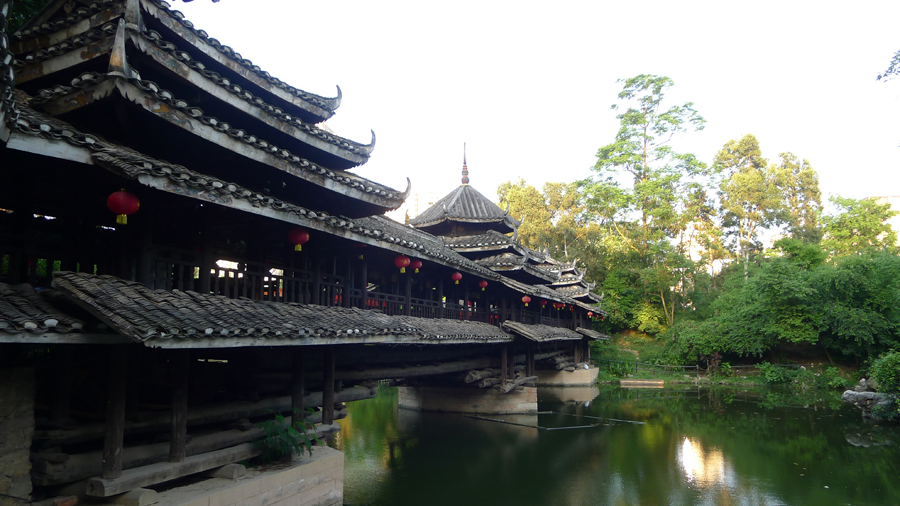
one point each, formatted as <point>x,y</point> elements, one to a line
<point>329,104</point>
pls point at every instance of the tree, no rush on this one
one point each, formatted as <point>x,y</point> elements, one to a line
<point>801,198</point>
<point>526,203</point>
<point>893,69</point>
<point>642,181</point>
<point>748,193</point>
<point>860,225</point>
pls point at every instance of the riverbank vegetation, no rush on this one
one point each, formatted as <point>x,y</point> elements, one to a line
<point>717,264</point>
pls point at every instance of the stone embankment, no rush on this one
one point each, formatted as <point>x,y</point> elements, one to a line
<point>871,403</point>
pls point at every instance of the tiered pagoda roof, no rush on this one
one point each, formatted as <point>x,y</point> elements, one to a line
<point>169,86</point>
<point>464,211</point>
<point>477,228</point>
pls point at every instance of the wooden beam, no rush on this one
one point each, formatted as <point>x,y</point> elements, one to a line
<point>81,466</point>
<point>165,471</point>
<point>115,413</point>
<point>181,364</point>
<point>328,386</point>
<point>297,381</point>
<point>199,416</point>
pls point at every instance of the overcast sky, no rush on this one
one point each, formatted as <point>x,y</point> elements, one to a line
<point>528,85</point>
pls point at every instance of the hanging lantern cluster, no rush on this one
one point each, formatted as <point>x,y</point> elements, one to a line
<point>415,264</point>
<point>298,238</point>
<point>122,203</point>
<point>558,305</point>
<point>402,261</point>
<point>483,284</point>
<point>456,277</point>
<point>526,299</point>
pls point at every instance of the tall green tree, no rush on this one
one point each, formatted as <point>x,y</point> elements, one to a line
<point>801,197</point>
<point>858,226</point>
<point>749,195</point>
<point>641,183</point>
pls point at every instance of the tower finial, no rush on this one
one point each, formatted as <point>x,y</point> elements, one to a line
<point>465,171</point>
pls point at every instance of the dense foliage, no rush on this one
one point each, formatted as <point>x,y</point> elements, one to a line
<point>679,246</point>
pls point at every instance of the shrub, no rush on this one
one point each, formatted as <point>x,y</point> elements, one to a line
<point>773,373</point>
<point>886,371</point>
<point>281,439</point>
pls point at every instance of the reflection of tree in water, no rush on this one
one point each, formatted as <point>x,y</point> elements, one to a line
<point>715,446</point>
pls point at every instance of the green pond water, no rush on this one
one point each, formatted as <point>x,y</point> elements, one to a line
<point>695,447</point>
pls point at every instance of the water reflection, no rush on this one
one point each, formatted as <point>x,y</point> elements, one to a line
<point>698,447</point>
<point>701,468</point>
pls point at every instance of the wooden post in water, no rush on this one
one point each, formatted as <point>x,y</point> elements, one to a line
<point>328,386</point>
<point>113,440</point>
<point>181,362</point>
<point>297,382</point>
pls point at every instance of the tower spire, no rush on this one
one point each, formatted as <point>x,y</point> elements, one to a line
<point>465,171</point>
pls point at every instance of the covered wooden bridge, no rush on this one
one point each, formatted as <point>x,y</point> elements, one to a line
<point>185,249</point>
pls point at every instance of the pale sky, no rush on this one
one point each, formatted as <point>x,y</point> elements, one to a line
<point>528,85</point>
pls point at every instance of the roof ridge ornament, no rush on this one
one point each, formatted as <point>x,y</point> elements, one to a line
<point>465,169</point>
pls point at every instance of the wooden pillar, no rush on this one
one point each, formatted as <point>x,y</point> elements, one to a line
<point>503,310</point>
<point>407,295</point>
<point>60,410</point>
<point>181,362</point>
<point>297,383</point>
<point>134,382</point>
<point>529,360</point>
<point>145,251</point>
<point>511,361</point>
<point>111,465</point>
<point>440,298</point>
<point>328,386</point>
<point>363,284</point>
<point>317,282</point>
<point>206,264</point>
<point>576,351</point>
<point>587,350</point>
<point>504,359</point>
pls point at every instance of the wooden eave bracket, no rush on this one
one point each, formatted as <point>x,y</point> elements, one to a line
<point>118,60</point>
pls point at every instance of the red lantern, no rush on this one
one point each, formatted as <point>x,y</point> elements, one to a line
<point>482,284</point>
<point>298,238</point>
<point>415,264</point>
<point>590,314</point>
<point>122,203</point>
<point>526,299</point>
<point>543,302</point>
<point>571,308</point>
<point>402,261</point>
<point>456,277</point>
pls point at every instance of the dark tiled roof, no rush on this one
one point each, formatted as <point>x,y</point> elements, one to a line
<point>486,240</point>
<point>541,333</point>
<point>328,104</point>
<point>593,334</point>
<point>7,81</point>
<point>569,279</point>
<point>538,291</point>
<point>153,315</point>
<point>35,123</point>
<point>502,260</point>
<point>237,91</point>
<point>55,25</point>
<point>23,309</point>
<point>81,40</point>
<point>464,204</point>
<point>434,246</point>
